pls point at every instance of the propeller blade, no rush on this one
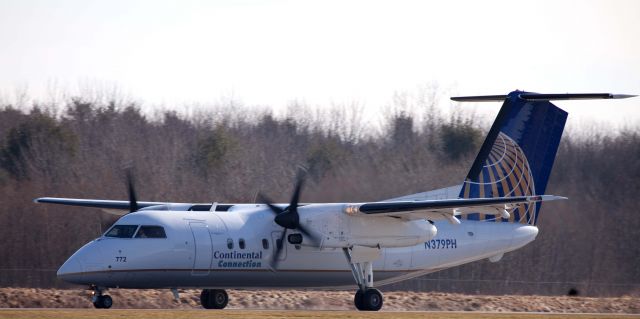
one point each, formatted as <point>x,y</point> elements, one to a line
<point>293,205</point>
<point>314,239</point>
<point>288,219</point>
<point>265,200</point>
<point>133,202</point>
<point>276,255</point>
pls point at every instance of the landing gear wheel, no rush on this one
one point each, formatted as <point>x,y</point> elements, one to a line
<point>214,298</point>
<point>357,300</point>
<point>103,302</point>
<point>370,300</point>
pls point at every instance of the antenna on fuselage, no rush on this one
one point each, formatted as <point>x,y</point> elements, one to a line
<point>255,196</point>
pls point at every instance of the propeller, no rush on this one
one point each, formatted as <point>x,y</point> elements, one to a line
<point>288,218</point>
<point>133,202</point>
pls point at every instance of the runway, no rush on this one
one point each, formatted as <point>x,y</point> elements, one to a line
<point>202,314</point>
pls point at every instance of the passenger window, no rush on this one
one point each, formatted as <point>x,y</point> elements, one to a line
<point>241,243</point>
<point>151,232</point>
<point>121,231</point>
<point>230,243</point>
<point>265,243</point>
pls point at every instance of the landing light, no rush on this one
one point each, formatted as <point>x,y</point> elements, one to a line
<point>351,209</point>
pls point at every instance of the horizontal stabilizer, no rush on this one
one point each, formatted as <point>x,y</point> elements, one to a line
<point>542,97</point>
<point>479,98</point>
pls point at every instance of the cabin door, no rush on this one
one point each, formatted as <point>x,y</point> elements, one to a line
<point>203,248</point>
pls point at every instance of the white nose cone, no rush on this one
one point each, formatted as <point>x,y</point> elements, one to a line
<point>70,267</point>
<point>523,235</point>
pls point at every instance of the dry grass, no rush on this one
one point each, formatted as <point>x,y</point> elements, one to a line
<point>203,314</point>
<point>319,300</point>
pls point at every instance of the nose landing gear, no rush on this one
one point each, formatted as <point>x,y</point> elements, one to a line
<point>101,301</point>
<point>214,298</point>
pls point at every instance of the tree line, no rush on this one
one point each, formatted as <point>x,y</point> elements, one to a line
<point>81,148</point>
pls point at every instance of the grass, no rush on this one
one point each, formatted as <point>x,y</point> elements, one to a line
<point>203,314</point>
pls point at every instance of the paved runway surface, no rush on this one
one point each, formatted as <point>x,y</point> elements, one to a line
<point>202,314</point>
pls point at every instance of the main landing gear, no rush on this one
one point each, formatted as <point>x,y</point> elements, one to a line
<point>101,301</point>
<point>370,300</point>
<point>367,298</point>
<point>214,298</point>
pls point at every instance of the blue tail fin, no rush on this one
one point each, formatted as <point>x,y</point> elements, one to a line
<point>517,156</point>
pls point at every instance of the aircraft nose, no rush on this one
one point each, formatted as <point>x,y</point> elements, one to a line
<point>71,270</point>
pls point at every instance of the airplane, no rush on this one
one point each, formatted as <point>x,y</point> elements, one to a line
<point>216,246</point>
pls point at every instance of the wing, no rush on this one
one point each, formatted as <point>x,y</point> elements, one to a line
<point>97,203</point>
<point>121,207</point>
<point>448,208</point>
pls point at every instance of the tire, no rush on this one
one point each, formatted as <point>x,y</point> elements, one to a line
<point>103,302</point>
<point>372,299</point>
<point>214,298</point>
<point>219,299</point>
<point>357,300</point>
<point>107,302</point>
<point>204,298</point>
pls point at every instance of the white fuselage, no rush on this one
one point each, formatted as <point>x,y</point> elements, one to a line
<point>233,249</point>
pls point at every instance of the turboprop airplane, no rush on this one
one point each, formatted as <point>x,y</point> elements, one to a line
<point>334,245</point>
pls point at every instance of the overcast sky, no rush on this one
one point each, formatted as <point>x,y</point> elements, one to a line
<point>272,52</point>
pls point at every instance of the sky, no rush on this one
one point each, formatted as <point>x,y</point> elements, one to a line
<point>170,53</point>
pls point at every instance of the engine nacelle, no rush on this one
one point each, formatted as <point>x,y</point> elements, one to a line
<point>339,230</point>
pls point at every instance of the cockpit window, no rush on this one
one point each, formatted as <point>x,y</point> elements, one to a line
<point>121,231</point>
<point>151,232</point>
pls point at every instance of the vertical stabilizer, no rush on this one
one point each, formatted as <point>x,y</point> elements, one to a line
<point>517,155</point>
